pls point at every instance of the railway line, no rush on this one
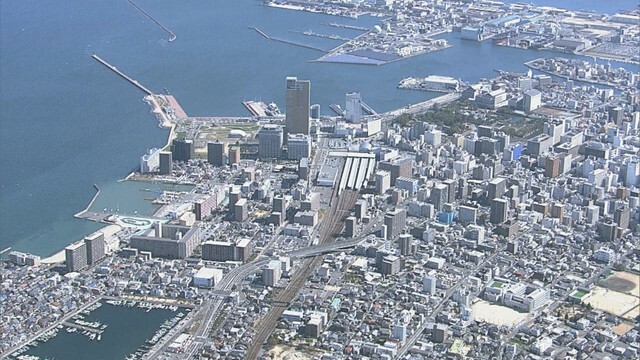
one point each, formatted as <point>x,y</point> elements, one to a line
<point>330,228</point>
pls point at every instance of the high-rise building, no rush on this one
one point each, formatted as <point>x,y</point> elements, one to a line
<point>298,146</point>
<point>439,196</point>
<point>271,274</point>
<point>234,155</point>
<point>182,150</point>
<point>166,162</point>
<point>95,245</point>
<point>395,222</point>
<point>383,181</point>
<point>350,226</point>
<point>429,284</point>
<point>361,208</point>
<point>170,241</point>
<point>402,167</point>
<point>532,100</point>
<point>241,210</point>
<point>497,188</point>
<point>499,210</point>
<point>217,153</point>
<point>353,112</point>
<point>405,243</point>
<point>270,138</point>
<point>150,161</point>
<point>298,101</point>
<point>76,256</point>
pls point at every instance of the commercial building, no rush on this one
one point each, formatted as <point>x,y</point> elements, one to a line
<point>429,284</point>
<point>497,188</point>
<point>405,244</point>
<point>207,277</point>
<point>76,256</point>
<point>439,196</point>
<point>298,102</point>
<point>217,153</point>
<point>170,241</point>
<point>270,139</point>
<point>182,150</point>
<point>532,100</point>
<point>401,167</point>
<point>350,226</point>
<point>298,146</point>
<point>383,181</point>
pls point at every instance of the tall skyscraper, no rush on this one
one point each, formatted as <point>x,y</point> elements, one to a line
<point>353,112</point>
<point>298,101</point>
<point>217,153</point>
<point>395,222</point>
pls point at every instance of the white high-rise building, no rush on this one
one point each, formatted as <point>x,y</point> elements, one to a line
<point>353,112</point>
<point>271,274</point>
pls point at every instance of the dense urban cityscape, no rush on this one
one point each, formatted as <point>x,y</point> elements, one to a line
<point>498,219</point>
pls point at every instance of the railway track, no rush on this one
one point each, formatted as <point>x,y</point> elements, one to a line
<point>330,228</point>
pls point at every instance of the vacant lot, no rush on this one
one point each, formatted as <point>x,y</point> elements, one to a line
<point>497,314</point>
<point>613,302</point>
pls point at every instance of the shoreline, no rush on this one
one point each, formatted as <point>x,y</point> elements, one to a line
<point>79,214</point>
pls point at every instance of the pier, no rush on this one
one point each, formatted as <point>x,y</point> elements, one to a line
<point>324,36</point>
<point>286,41</point>
<point>123,75</point>
<point>80,215</point>
<point>172,36</point>
<point>82,327</point>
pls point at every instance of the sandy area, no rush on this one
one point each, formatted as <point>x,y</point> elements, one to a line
<point>626,277</point>
<point>613,302</point>
<point>497,314</point>
<point>288,353</point>
<point>112,245</point>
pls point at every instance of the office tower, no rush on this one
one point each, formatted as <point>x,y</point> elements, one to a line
<point>350,226</point>
<point>280,206</point>
<point>234,196</point>
<point>303,168</point>
<point>395,222</point>
<point>451,189</point>
<point>271,274</point>
<point>353,112</point>
<point>439,196</point>
<point>433,137</point>
<point>405,243</point>
<point>390,265</point>
<point>557,211</point>
<point>298,146</point>
<point>95,247</point>
<point>234,155</point>
<point>270,138</point>
<point>166,163</point>
<point>497,188</point>
<point>241,210</point>
<point>76,256</point>
<point>217,153</point>
<point>616,115</point>
<point>532,100</point>
<point>383,182</point>
<point>429,284</point>
<point>621,216</point>
<point>182,150</point>
<point>512,247</point>
<point>499,209</point>
<point>401,167</point>
<point>298,101</point>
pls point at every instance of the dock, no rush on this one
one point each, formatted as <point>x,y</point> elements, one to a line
<point>172,36</point>
<point>345,26</point>
<point>123,75</point>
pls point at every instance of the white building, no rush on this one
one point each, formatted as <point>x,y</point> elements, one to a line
<point>150,161</point>
<point>532,100</point>
<point>383,181</point>
<point>207,277</point>
<point>353,112</point>
<point>429,284</point>
<point>271,274</point>
<point>298,146</point>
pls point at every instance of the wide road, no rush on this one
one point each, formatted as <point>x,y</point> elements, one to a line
<point>330,227</point>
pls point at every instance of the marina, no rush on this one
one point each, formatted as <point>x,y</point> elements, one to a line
<point>103,326</point>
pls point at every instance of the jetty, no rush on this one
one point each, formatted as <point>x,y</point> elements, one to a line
<point>80,215</point>
<point>172,36</point>
<point>286,41</point>
<point>345,26</point>
<point>123,75</point>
